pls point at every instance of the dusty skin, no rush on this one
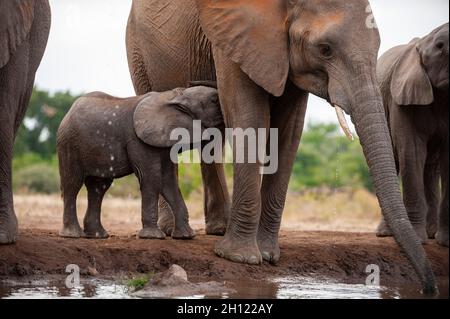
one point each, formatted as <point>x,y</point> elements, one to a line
<point>340,250</point>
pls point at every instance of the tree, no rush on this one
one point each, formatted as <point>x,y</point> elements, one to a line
<point>37,133</point>
<point>326,158</point>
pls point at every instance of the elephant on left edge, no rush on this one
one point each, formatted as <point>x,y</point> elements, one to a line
<point>24,30</point>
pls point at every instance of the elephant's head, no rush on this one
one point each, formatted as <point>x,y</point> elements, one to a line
<point>421,69</point>
<point>158,114</point>
<point>328,48</point>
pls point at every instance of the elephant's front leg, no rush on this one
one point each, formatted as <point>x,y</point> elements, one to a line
<point>442,234</point>
<point>8,219</point>
<point>412,158</point>
<point>287,115</point>
<point>14,97</point>
<point>432,195</point>
<point>245,108</point>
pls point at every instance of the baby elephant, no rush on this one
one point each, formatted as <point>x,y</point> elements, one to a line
<point>104,137</point>
<point>415,86</point>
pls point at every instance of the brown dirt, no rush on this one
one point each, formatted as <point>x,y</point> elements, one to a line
<point>328,235</point>
<point>337,255</point>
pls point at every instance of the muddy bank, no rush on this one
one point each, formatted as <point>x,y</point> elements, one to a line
<point>337,255</point>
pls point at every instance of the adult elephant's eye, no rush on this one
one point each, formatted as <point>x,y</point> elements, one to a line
<point>325,50</point>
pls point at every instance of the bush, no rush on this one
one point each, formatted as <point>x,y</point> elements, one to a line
<point>189,178</point>
<point>37,178</point>
<point>126,187</point>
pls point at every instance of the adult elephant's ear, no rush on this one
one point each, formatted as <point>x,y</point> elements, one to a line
<point>410,84</point>
<point>16,18</point>
<point>253,34</point>
<point>157,116</point>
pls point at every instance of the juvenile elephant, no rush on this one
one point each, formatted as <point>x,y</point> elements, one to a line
<point>266,56</point>
<point>24,29</point>
<point>103,137</point>
<point>414,84</point>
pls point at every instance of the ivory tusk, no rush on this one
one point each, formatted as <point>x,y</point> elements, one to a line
<point>343,122</point>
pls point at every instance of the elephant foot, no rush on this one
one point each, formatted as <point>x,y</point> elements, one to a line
<point>431,230</point>
<point>8,229</point>
<point>216,228</point>
<point>95,232</point>
<point>238,251</point>
<point>184,232</point>
<point>270,250</point>
<point>442,237</point>
<point>72,231</point>
<point>151,233</point>
<point>383,229</point>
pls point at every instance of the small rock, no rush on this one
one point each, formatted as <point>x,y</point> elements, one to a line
<point>174,283</point>
<point>174,276</point>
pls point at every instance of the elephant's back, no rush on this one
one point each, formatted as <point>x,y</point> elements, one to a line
<point>96,113</point>
<point>166,46</point>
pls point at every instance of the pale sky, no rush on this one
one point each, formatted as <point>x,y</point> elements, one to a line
<point>86,49</point>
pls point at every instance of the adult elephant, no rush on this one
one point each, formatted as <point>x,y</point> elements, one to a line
<point>414,84</point>
<point>24,29</point>
<point>266,56</point>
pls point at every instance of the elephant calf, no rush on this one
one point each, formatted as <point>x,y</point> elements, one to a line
<point>104,137</point>
<point>415,86</point>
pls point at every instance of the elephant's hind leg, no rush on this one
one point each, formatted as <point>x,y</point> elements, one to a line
<point>171,192</point>
<point>96,187</point>
<point>217,202</point>
<point>71,183</point>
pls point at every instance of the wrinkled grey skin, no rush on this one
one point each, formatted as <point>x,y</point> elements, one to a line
<point>151,70</point>
<point>24,29</point>
<point>267,55</point>
<point>414,83</point>
<point>103,138</point>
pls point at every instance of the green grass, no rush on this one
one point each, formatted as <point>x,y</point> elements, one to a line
<point>138,283</point>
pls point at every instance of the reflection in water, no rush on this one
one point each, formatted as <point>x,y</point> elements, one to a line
<point>56,289</point>
<point>282,288</point>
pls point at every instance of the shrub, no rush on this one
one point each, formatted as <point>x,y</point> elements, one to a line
<point>37,178</point>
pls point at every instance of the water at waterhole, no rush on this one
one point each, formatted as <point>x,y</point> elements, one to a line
<point>281,288</point>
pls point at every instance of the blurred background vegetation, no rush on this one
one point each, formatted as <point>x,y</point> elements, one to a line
<point>326,159</point>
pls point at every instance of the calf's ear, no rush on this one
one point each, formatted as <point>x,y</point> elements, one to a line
<point>410,84</point>
<point>156,119</point>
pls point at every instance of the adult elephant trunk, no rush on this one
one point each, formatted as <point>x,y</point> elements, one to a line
<point>369,118</point>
